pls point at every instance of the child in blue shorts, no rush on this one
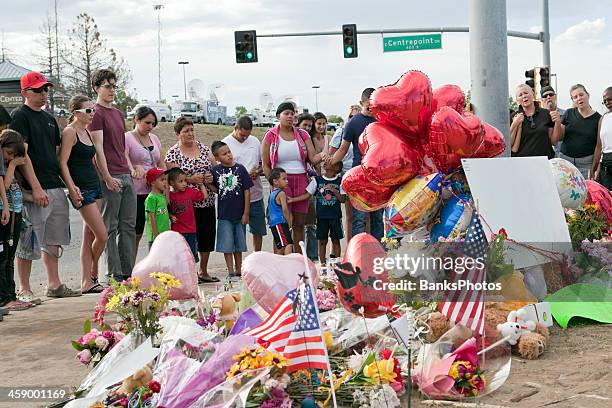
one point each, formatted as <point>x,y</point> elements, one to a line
<point>280,217</point>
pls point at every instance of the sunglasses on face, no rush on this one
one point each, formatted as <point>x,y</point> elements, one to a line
<point>44,89</point>
<point>548,95</point>
<point>86,110</point>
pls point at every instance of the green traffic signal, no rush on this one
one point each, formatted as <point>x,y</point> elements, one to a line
<point>349,50</point>
<point>249,55</point>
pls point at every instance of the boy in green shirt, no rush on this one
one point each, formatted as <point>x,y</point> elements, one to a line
<point>156,205</point>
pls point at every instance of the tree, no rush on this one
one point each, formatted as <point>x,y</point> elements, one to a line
<point>46,58</point>
<point>334,119</point>
<point>240,111</point>
<point>124,101</point>
<point>512,103</point>
<point>87,53</point>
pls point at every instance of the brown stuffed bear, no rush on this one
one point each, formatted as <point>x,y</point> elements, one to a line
<point>226,304</point>
<point>138,379</point>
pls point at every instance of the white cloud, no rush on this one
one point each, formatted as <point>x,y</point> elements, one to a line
<point>585,31</point>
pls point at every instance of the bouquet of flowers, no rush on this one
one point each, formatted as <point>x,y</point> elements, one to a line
<point>140,308</point>
<point>142,397</point>
<point>588,223</point>
<point>593,264</point>
<point>95,344</point>
<point>326,299</point>
<point>469,379</point>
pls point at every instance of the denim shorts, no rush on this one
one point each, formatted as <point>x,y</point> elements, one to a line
<point>89,196</point>
<point>257,218</point>
<point>231,236</point>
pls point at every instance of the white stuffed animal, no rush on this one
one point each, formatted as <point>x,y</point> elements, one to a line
<point>511,330</point>
<point>520,317</point>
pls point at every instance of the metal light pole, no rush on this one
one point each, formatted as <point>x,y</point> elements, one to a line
<point>183,63</point>
<point>158,7</point>
<point>316,88</point>
<point>489,64</point>
<point>545,36</point>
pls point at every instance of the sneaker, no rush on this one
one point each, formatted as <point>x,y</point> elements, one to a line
<point>28,297</point>
<point>62,291</point>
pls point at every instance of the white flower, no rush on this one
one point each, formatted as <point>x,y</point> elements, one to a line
<point>101,343</point>
<point>270,384</point>
<point>356,362</point>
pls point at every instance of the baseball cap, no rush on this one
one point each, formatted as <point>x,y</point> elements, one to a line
<point>34,80</point>
<point>154,173</point>
<point>546,89</point>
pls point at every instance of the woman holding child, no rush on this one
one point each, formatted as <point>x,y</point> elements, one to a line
<point>291,148</point>
<point>197,161</point>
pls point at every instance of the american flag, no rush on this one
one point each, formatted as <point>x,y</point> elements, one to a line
<point>466,306</point>
<point>295,334</point>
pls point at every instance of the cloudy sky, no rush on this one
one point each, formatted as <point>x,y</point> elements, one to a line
<point>202,33</point>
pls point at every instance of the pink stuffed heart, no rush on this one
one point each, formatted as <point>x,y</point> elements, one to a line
<point>454,137</point>
<point>170,254</point>
<point>268,277</point>
<point>388,160</point>
<point>405,105</point>
<point>448,95</point>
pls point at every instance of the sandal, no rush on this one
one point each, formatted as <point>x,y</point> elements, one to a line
<point>207,279</point>
<point>28,297</point>
<point>62,291</point>
<point>17,305</point>
<point>96,288</point>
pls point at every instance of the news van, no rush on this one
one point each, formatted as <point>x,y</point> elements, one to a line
<point>163,112</point>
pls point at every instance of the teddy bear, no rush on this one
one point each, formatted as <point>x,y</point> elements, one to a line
<point>138,379</point>
<point>226,304</point>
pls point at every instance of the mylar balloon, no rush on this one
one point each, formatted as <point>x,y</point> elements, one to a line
<point>571,185</point>
<point>365,195</point>
<point>449,95</point>
<point>415,203</point>
<point>600,196</point>
<point>405,105</point>
<point>493,144</point>
<point>455,217</point>
<point>388,159</point>
<point>268,277</point>
<point>360,282</point>
<point>454,137</point>
<point>179,264</point>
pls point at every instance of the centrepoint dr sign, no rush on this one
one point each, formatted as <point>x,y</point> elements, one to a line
<point>412,42</point>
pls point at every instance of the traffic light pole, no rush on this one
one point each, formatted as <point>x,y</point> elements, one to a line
<point>545,36</point>
<point>489,64</point>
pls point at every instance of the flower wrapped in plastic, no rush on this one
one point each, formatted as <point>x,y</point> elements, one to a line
<point>458,366</point>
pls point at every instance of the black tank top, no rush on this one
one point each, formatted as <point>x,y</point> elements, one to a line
<point>80,164</point>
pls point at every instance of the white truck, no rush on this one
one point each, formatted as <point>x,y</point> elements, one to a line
<point>203,112</point>
<point>163,112</point>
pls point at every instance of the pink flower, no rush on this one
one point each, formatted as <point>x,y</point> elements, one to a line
<point>123,402</point>
<point>398,387</point>
<point>104,296</point>
<point>107,334</point>
<point>118,337</point>
<point>326,300</point>
<point>84,357</point>
<point>101,343</point>
<point>154,386</point>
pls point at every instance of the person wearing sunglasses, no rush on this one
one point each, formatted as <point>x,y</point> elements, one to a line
<point>578,130</point>
<point>531,131</point>
<point>119,207</point>
<point>81,177</point>
<point>48,213</point>
<point>549,101</point>
<point>602,169</point>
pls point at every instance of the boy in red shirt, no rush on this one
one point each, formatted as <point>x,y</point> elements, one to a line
<point>180,207</point>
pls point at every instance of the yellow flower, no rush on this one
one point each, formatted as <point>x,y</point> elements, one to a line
<point>329,340</point>
<point>165,279</point>
<point>135,281</point>
<point>113,302</point>
<point>380,370</point>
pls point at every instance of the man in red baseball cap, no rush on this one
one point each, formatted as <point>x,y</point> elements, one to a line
<point>49,211</point>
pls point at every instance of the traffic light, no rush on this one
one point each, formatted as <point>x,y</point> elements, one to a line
<point>246,46</point>
<point>544,77</point>
<point>349,40</point>
<point>531,75</point>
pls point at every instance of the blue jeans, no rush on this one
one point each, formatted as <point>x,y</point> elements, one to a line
<point>358,225</point>
<point>312,246</point>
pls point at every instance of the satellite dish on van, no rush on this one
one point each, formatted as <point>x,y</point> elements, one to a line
<point>291,98</point>
<point>195,89</point>
<point>216,91</point>
<point>266,102</point>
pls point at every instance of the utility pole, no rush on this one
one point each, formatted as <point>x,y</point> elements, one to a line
<point>183,63</point>
<point>57,71</point>
<point>546,36</point>
<point>316,88</point>
<point>158,7</point>
<point>489,64</point>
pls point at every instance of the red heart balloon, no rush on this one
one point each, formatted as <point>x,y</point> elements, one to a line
<point>493,144</point>
<point>388,160</point>
<point>449,95</point>
<point>454,137</point>
<point>365,195</point>
<point>405,105</point>
<point>359,284</point>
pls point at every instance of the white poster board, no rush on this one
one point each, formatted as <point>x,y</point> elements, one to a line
<point>519,194</point>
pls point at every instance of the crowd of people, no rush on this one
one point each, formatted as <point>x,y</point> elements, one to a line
<point>124,186</point>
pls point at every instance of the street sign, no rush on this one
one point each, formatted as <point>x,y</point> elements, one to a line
<point>412,42</point>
